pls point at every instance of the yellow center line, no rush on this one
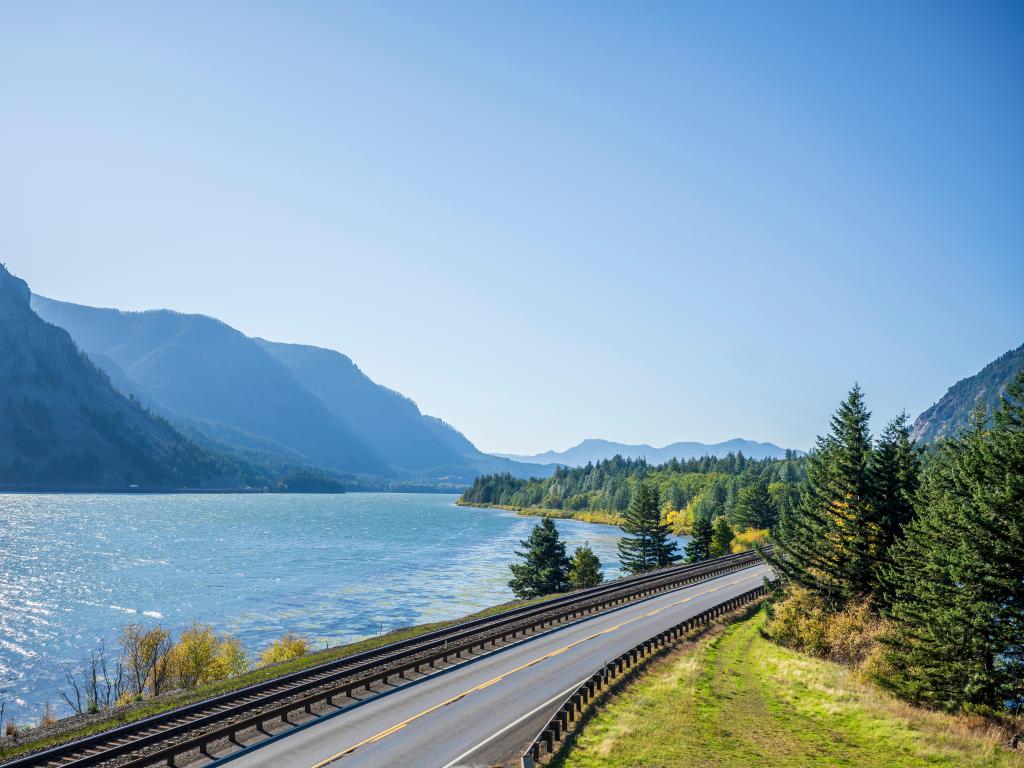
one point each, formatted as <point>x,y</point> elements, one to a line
<point>399,726</point>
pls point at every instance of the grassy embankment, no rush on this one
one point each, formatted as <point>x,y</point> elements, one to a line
<point>737,699</point>
<point>600,517</point>
<point>166,702</point>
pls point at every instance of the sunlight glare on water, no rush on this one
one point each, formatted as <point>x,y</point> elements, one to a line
<point>334,568</point>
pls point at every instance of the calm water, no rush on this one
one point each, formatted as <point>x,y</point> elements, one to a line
<point>73,568</point>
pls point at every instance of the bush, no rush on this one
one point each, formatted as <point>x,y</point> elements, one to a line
<point>799,621</point>
<point>745,540</point>
<point>802,621</point>
<point>200,657</point>
<point>285,648</point>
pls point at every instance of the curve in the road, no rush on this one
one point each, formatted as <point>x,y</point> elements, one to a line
<point>482,712</point>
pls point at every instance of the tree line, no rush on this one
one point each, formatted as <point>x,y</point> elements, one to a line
<point>546,568</point>
<point>750,493</point>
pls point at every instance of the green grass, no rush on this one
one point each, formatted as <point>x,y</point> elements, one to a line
<point>739,700</point>
<point>164,703</point>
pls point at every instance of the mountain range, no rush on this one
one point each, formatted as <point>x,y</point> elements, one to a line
<point>952,413</point>
<point>594,450</point>
<point>102,397</point>
<point>62,423</point>
<point>264,399</point>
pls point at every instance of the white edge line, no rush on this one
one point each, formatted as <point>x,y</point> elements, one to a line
<point>514,723</point>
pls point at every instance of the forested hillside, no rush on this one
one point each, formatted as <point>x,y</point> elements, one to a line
<point>62,423</point>
<point>288,404</point>
<point>952,413</point>
<point>751,492</point>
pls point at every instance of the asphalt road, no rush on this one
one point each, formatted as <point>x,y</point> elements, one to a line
<point>485,712</point>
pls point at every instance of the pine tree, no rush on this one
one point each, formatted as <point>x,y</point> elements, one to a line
<point>585,569</point>
<point>755,508</point>
<point>895,471</point>
<point>829,544</point>
<point>957,583</point>
<point>545,567</point>
<point>721,538</point>
<point>646,544</point>
<point>699,546</point>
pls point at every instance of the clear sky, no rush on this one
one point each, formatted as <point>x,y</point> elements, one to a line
<point>543,221</point>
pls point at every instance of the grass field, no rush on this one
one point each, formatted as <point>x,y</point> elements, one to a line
<point>739,700</point>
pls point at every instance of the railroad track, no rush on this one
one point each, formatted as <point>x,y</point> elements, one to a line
<point>192,729</point>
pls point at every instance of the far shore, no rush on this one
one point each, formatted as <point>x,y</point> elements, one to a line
<point>143,491</point>
<point>583,516</point>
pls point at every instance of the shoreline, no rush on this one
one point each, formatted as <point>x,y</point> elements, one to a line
<point>583,516</point>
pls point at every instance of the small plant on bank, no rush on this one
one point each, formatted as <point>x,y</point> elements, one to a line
<point>286,648</point>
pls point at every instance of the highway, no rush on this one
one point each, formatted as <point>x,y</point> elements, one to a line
<point>484,712</point>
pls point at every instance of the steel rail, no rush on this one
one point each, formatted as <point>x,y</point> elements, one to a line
<point>450,641</point>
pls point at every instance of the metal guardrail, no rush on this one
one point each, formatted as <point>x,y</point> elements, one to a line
<point>366,668</point>
<point>555,731</point>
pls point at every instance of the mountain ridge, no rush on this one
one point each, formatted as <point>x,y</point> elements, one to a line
<point>597,449</point>
<point>63,423</point>
<point>951,413</point>
<point>298,402</point>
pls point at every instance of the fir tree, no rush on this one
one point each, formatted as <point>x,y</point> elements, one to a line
<point>721,538</point>
<point>585,568</point>
<point>895,470</point>
<point>545,567</point>
<point>699,546</point>
<point>646,544</point>
<point>957,583</point>
<point>755,508</point>
<point>829,544</point>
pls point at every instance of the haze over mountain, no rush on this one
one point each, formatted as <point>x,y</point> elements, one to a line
<point>595,450</point>
<point>297,402</point>
<point>952,413</point>
<point>62,422</point>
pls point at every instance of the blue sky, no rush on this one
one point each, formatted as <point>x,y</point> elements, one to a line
<point>640,221</point>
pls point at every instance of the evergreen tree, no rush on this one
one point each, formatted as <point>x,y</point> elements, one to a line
<point>646,544</point>
<point>545,567</point>
<point>721,538</point>
<point>585,568</point>
<point>957,583</point>
<point>755,508</point>
<point>896,469</point>
<point>699,546</point>
<point>830,543</point>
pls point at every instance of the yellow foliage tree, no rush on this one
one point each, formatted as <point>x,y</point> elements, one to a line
<point>284,649</point>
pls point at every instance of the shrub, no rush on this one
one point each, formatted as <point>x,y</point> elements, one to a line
<point>852,634</point>
<point>288,647</point>
<point>49,716</point>
<point>799,621</point>
<point>745,540</point>
<point>802,621</point>
<point>200,657</point>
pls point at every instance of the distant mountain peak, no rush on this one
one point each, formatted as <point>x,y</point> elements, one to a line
<point>594,449</point>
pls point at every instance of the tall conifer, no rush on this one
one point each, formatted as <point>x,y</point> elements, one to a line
<point>545,566</point>
<point>828,543</point>
<point>957,583</point>
<point>699,546</point>
<point>646,544</point>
